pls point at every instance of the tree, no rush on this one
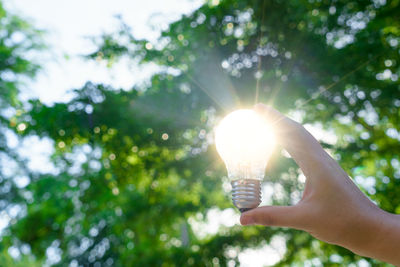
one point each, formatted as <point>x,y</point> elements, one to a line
<point>18,42</point>
<point>137,168</point>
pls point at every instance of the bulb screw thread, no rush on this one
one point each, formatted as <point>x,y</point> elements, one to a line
<point>246,194</point>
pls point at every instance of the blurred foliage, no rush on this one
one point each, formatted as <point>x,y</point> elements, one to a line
<point>136,170</point>
<point>17,40</point>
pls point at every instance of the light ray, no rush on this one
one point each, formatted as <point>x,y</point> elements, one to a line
<point>214,82</point>
<point>275,91</point>
<point>215,100</point>
<point>331,85</point>
<point>340,80</point>
<point>259,57</point>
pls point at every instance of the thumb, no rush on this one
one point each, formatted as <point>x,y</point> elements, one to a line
<point>285,216</point>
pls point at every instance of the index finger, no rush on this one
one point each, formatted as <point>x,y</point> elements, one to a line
<point>301,145</point>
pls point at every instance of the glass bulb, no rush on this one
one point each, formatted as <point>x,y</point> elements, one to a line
<point>245,142</point>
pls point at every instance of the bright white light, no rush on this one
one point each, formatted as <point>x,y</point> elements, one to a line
<point>267,255</point>
<point>245,142</point>
<point>215,220</point>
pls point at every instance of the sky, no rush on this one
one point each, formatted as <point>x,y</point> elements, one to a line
<point>68,26</point>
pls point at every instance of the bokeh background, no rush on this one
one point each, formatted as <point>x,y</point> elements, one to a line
<point>107,110</point>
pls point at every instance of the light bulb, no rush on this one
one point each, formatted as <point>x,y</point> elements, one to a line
<point>245,142</point>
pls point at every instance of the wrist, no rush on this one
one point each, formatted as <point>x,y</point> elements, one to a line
<point>383,235</point>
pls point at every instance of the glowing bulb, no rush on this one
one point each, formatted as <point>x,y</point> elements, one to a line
<point>245,143</point>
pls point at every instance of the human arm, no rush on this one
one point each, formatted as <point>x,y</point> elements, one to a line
<point>332,208</point>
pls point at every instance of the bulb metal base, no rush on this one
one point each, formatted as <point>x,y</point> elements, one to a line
<point>246,194</point>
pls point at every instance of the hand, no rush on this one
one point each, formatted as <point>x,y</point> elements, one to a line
<point>332,208</point>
